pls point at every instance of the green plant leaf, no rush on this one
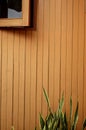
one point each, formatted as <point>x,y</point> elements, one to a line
<point>45,128</point>
<point>84,125</point>
<point>70,108</point>
<point>65,121</point>
<point>49,120</point>
<point>75,118</point>
<point>56,124</point>
<point>61,103</point>
<point>58,120</point>
<point>42,122</point>
<point>70,118</point>
<point>47,99</point>
<point>62,121</point>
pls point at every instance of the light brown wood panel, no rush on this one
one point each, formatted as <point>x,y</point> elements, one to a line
<point>51,50</point>
<point>85,71</point>
<point>51,56</point>
<point>75,54</point>
<point>27,80</point>
<point>33,80</point>
<point>85,6</point>
<point>69,53</point>
<point>39,60</point>
<point>80,62</point>
<point>21,109</point>
<point>10,79</point>
<point>57,56</point>
<point>63,46</point>
<point>45,53</point>
<point>16,79</point>
<point>4,82</point>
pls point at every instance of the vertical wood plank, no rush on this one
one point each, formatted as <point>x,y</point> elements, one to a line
<point>33,79</point>
<point>85,6</point>
<point>69,53</point>
<point>4,82</point>
<point>57,53</point>
<point>63,46</point>
<point>21,80</point>
<point>45,54</point>
<point>75,54</point>
<point>28,81</point>
<point>51,51</point>
<point>16,80</point>
<point>85,71</point>
<point>9,79</point>
<point>39,59</point>
<point>80,62</point>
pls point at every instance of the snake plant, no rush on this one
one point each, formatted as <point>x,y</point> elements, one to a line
<point>58,120</point>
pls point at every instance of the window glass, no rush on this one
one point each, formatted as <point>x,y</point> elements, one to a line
<point>10,8</point>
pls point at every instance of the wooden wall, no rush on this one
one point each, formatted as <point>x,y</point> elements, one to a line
<point>53,56</point>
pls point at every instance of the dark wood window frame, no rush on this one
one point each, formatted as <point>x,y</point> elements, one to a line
<point>19,22</point>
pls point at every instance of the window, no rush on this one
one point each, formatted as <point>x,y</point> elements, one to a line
<point>15,13</point>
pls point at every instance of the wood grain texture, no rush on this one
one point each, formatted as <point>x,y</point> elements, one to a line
<point>39,60</point>
<point>16,79</point>
<point>33,79</point>
<point>27,80</point>
<point>45,54</point>
<point>10,79</point>
<point>4,82</point>
<point>52,56</point>
<point>85,71</point>
<point>57,56</point>
<point>63,46</point>
<point>75,55</point>
<point>69,53</point>
<point>51,51</point>
<point>21,92</point>
<point>80,62</point>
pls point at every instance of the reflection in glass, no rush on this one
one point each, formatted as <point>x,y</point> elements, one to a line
<point>10,8</point>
